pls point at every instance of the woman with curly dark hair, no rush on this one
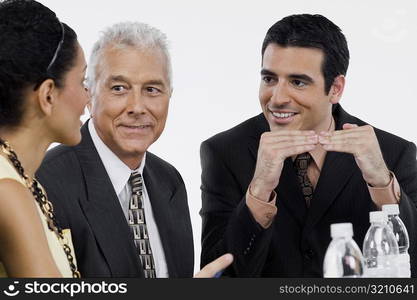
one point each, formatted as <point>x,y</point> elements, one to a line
<point>42,97</point>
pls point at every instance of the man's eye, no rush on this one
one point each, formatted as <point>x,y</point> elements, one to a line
<point>298,83</point>
<point>153,90</point>
<point>118,88</point>
<point>268,79</point>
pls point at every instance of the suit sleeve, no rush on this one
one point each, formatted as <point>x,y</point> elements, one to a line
<point>228,225</point>
<point>56,191</point>
<point>405,171</point>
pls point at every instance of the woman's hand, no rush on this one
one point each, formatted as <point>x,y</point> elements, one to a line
<point>210,270</point>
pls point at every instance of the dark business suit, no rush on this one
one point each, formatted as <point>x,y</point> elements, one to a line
<point>295,244</point>
<point>84,200</point>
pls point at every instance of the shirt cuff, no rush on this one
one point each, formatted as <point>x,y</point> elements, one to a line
<point>389,194</point>
<point>262,211</point>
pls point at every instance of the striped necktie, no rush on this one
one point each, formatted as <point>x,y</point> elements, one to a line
<point>137,223</point>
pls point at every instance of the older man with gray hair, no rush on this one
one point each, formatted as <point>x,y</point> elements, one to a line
<point>126,207</point>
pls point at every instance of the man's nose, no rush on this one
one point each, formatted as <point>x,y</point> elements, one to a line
<point>136,103</point>
<point>280,94</point>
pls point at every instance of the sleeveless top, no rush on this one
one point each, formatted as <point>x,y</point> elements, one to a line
<point>8,171</point>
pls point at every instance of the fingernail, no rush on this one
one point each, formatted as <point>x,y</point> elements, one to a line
<point>229,257</point>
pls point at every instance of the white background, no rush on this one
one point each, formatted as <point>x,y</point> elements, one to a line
<point>215,47</point>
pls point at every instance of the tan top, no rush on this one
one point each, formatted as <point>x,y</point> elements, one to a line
<point>264,212</point>
<point>9,172</point>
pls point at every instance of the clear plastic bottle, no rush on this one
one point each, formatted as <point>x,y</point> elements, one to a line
<point>343,257</point>
<point>401,235</point>
<point>380,248</point>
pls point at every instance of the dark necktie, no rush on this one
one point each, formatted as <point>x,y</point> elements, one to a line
<point>137,222</point>
<point>301,164</point>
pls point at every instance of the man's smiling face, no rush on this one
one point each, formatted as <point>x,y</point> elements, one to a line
<point>292,89</point>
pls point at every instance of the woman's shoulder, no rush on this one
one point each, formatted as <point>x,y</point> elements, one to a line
<point>7,171</point>
<point>15,197</point>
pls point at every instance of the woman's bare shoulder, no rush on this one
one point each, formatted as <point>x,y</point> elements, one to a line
<point>24,249</point>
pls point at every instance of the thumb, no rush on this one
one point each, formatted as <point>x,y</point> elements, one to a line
<point>215,266</point>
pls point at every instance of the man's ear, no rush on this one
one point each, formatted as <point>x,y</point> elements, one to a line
<point>90,102</point>
<point>336,90</point>
<point>47,95</point>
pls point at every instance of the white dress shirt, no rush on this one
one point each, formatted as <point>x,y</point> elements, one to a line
<point>119,174</point>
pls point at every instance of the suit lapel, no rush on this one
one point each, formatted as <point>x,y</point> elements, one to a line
<point>160,196</point>
<point>104,212</point>
<point>336,172</point>
<point>261,126</point>
<point>289,193</point>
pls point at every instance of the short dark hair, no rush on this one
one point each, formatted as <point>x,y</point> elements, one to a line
<point>29,36</point>
<point>313,31</point>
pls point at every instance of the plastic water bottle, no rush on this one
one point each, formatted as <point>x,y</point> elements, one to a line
<point>401,235</point>
<point>380,248</point>
<point>343,257</point>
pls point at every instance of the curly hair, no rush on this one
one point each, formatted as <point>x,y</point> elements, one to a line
<point>29,36</point>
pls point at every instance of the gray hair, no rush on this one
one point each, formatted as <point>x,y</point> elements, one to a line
<point>125,34</point>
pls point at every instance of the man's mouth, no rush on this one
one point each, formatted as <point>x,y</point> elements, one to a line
<point>136,129</point>
<point>283,115</point>
<point>137,126</point>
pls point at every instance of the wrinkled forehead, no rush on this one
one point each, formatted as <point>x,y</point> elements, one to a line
<point>116,60</point>
<point>134,65</point>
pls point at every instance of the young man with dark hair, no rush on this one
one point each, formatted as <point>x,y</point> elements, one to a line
<point>273,185</point>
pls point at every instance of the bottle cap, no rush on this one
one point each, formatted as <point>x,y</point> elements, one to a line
<point>378,217</point>
<point>391,209</point>
<point>341,230</point>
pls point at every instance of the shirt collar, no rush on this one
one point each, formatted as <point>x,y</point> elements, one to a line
<point>117,170</point>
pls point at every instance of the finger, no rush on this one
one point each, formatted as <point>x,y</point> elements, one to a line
<point>215,266</point>
<point>310,139</point>
<point>349,126</point>
<point>289,133</point>
<point>355,128</point>
<point>291,151</point>
<point>284,146</point>
<point>342,147</point>
<point>349,136</point>
<point>363,133</point>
